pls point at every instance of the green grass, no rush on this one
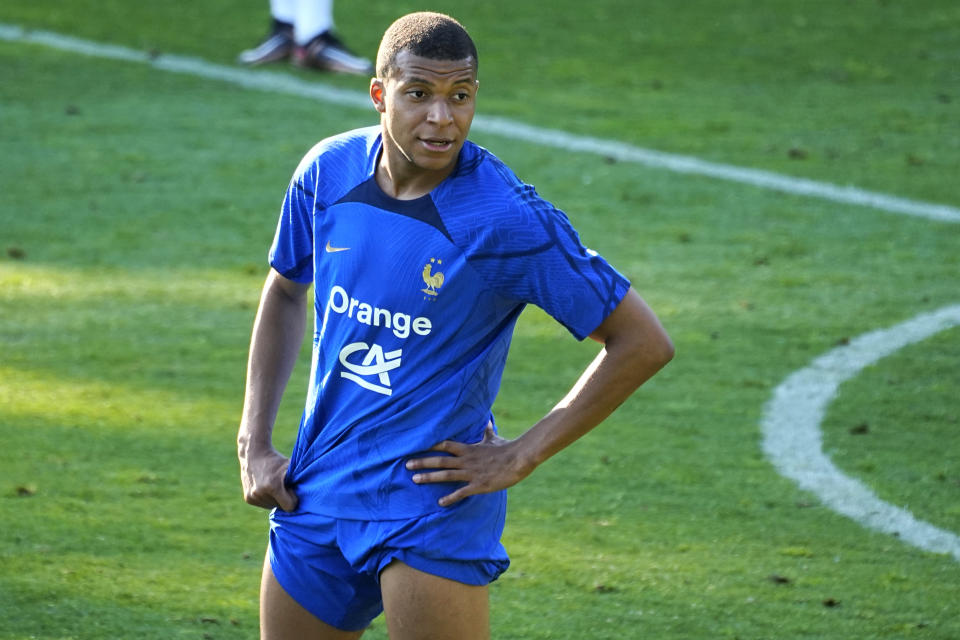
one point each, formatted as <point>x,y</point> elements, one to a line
<point>138,206</point>
<point>870,431</point>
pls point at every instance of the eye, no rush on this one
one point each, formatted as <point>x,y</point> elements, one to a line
<point>417,94</point>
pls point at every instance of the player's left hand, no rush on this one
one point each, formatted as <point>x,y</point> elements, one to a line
<point>490,465</point>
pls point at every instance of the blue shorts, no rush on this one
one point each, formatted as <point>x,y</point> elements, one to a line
<point>332,566</point>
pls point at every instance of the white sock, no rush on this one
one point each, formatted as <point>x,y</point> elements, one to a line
<point>313,17</point>
<point>284,10</point>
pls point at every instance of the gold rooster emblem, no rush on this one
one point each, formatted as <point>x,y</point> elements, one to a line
<point>433,280</point>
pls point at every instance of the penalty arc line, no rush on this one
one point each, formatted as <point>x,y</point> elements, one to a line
<point>290,85</point>
<point>792,439</point>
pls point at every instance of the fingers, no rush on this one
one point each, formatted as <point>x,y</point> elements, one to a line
<point>452,447</point>
<point>287,500</point>
<point>284,499</point>
<point>456,450</point>
<point>478,468</point>
<point>256,499</point>
<point>449,471</point>
<point>449,475</point>
<point>435,462</point>
<point>471,483</point>
<point>264,484</point>
<point>455,497</point>
<point>260,497</point>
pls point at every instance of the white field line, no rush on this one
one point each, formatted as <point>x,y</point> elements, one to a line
<point>793,442</point>
<point>275,82</point>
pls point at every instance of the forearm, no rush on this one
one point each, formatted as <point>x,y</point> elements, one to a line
<point>635,348</point>
<point>629,358</point>
<point>277,336</point>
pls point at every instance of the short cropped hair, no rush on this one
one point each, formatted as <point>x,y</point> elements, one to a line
<point>425,34</point>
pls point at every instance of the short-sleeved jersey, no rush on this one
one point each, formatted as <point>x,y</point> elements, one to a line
<point>415,303</point>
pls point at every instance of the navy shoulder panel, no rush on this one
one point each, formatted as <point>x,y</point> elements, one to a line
<point>422,209</point>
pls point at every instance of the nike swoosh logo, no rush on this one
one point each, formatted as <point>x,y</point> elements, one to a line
<point>335,249</point>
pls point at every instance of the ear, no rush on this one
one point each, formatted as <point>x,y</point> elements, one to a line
<point>377,94</point>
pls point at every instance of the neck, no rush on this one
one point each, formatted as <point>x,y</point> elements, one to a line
<point>400,178</point>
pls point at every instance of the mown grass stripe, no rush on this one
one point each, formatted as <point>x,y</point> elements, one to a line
<point>786,425</point>
<point>275,82</point>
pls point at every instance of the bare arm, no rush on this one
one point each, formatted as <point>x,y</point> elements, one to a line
<point>277,336</point>
<point>635,348</point>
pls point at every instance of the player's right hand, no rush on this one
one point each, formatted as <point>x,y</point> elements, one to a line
<point>262,475</point>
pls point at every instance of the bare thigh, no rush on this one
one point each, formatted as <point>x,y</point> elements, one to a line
<point>420,606</point>
<point>282,617</point>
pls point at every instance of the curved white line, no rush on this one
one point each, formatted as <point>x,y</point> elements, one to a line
<point>792,438</point>
<point>291,85</point>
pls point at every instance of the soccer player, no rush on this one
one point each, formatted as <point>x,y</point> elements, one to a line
<point>422,249</point>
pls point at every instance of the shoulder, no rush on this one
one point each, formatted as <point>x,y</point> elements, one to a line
<point>490,212</point>
<point>484,183</point>
<point>349,146</point>
<point>478,167</point>
<point>340,161</point>
<point>484,186</point>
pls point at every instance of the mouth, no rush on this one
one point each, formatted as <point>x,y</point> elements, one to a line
<point>439,145</point>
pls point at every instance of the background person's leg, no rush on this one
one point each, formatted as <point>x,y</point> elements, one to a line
<point>420,606</point>
<point>282,618</point>
<point>312,17</point>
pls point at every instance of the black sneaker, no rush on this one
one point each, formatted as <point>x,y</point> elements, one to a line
<point>277,46</point>
<point>327,53</point>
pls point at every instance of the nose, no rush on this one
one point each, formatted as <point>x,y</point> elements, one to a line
<point>439,112</point>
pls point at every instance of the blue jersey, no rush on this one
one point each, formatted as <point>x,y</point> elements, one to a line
<point>415,303</point>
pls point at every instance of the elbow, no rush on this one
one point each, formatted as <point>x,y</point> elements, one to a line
<point>633,332</point>
<point>661,351</point>
<point>667,350</point>
<point>646,354</point>
<point>652,350</point>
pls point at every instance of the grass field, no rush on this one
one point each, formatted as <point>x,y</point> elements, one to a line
<point>136,207</point>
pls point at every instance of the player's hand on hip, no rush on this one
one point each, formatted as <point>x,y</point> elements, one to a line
<point>490,465</point>
<point>262,475</point>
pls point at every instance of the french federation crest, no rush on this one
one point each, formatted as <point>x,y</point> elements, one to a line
<point>433,280</point>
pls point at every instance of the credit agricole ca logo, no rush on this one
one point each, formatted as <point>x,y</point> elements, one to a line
<point>369,364</point>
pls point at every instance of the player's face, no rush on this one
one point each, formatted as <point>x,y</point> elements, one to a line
<point>427,107</point>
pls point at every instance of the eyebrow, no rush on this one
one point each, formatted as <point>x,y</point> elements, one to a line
<point>468,77</point>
